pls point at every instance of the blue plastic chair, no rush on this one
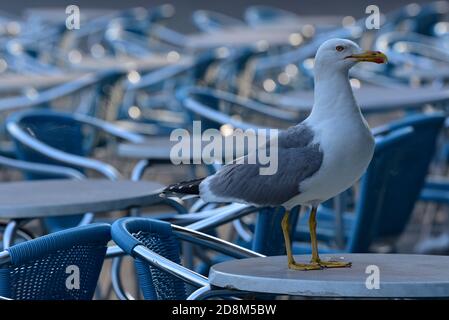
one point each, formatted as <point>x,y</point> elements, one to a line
<point>215,108</point>
<point>153,94</point>
<point>62,139</point>
<point>38,269</point>
<point>390,187</point>
<point>21,233</point>
<point>155,247</point>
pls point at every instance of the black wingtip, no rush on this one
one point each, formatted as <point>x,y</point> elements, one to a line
<point>185,187</point>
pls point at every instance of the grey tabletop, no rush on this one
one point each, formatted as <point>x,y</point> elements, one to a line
<point>400,275</point>
<point>154,148</point>
<point>128,64</point>
<point>160,148</point>
<point>242,36</point>
<point>287,32</point>
<point>16,82</point>
<point>371,99</point>
<point>45,198</point>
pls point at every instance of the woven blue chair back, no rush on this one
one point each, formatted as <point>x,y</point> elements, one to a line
<point>40,268</point>
<point>158,237</point>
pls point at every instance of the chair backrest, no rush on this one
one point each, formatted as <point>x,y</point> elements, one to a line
<point>158,237</point>
<point>49,267</point>
<point>56,129</point>
<point>394,179</point>
<point>168,78</point>
<point>215,108</point>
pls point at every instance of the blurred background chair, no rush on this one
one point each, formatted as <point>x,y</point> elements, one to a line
<point>63,139</point>
<point>390,188</point>
<point>210,21</point>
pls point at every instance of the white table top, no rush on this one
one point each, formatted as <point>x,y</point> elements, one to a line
<point>400,275</point>
<point>45,198</point>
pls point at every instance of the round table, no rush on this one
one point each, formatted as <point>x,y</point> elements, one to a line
<point>370,99</point>
<point>160,148</point>
<point>154,148</point>
<point>46,198</point>
<point>400,276</point>
<point>241,37</point>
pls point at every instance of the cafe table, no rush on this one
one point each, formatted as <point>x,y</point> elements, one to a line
<point>25,200</point>
<point>371,276</point>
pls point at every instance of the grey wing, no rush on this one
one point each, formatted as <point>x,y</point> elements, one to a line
<point>297,159</point>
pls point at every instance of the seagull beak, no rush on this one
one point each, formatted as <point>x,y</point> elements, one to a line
<point>369,56</point>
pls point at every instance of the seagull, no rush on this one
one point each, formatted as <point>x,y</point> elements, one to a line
<point>317,159</point>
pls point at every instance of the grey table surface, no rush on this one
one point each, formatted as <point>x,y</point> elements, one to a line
<point>16,82</point>
<point>370,98</point>
<point>45,198</point>
<point>155,148</point>
<point>150,62</point>
<point>400,275</point>
<point>273,34</point>
<point>241,36</point>
<point>159,148</point>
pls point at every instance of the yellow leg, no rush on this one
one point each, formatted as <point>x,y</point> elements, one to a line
<point>292,264</point>
<point>314,242</point>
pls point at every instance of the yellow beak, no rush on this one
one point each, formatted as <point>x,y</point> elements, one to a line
<point>370,56</point>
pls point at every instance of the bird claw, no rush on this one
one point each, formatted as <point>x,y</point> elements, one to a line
<point>318,265</point>
<point>304,266</point>
<point>335,264</point>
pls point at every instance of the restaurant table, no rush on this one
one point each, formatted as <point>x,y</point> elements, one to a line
<point>46,198</point>
<point>159,148</point>
<point>371,99</point>
<point>25,200</point>
<point>154,148</point>
<point>242,37</point>
<point>153,61</point>
<point>19,82</point>
<point>400,276</point>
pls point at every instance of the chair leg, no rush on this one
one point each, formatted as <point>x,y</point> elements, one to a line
<point>9,234</point>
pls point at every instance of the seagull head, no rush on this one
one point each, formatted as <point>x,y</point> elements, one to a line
<point>342,54</point>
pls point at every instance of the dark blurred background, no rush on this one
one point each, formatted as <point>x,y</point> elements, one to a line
<point>235,8</point>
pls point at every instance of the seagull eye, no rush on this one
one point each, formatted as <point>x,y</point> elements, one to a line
<point>339,48</point>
